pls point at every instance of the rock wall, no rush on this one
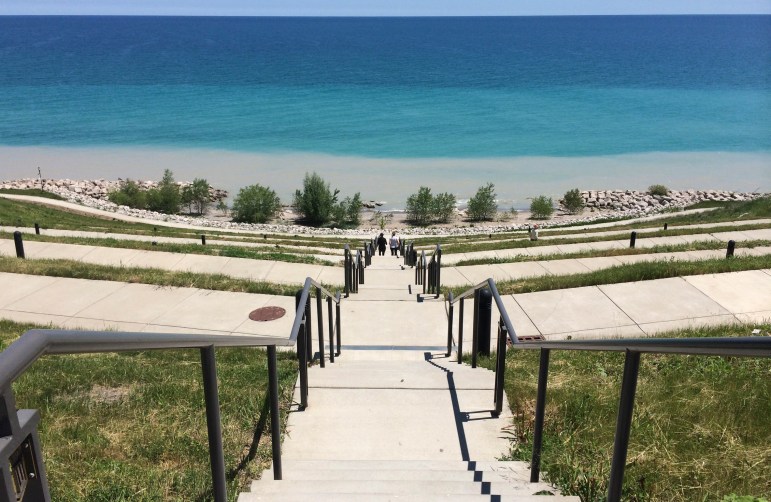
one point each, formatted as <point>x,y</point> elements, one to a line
<point>634,203</point>
<point>97,189</point>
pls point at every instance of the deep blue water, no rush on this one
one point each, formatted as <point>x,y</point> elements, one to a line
<point>390,87</point>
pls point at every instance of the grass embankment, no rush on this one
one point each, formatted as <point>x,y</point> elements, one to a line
<point>596,253</point>
<point>132,426</point>
<point>645,271</point>
<point>79,270</point>
<point>701,427</point>
<point>230,251</point>
<point>26,214</point>
<point>522,243</point>
<point>35,192</point>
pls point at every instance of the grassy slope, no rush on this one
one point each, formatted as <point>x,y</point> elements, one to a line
<point>132,426</point>
<point>701,427</point>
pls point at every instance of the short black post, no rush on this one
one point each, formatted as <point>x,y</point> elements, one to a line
<point>347,273</point>
<point>19,244</point>
<point>666,225</point>
<point>213,424</point>
<point>623,425</point>
<point>449,325</point>
<point>540,409</point>
<point>475,331</point>
<point>37,229</point>
<point>308,330</point>
<point>203,240</point>
<point>460,331</point>
<point>331,323</point>
<point>484,332</point>
<point>729,252</point>
<point>632,239</point>
<point>275,417</point>
<point>320,322</point>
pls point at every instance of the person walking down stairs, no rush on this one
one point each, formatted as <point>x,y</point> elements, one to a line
<point>381,245</point>
<point>394,243</point>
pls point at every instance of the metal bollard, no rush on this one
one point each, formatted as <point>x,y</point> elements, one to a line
<point>632,240</point>
<point>19,244</point>
<point>203,240</point>
<point>37,229</point>
<point>485,306</point>
<point>730,250</point>
<point>665,226</point>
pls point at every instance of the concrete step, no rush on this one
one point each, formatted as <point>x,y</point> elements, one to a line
<point>419,487</point>
<point>389,497</point>
<point>376,474</point>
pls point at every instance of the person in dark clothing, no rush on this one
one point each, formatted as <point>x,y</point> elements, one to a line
<point>381,245</point>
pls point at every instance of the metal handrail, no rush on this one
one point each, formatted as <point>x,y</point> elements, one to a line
<point>634,347</point>
<point>19,427</point>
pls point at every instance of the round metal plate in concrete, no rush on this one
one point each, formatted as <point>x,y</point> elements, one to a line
<point>267,314</point>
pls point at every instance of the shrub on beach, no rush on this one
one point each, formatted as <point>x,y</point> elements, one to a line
<point>573,202</point>
<point>541,208</point>
<point>196,196</point>
<point>129,194</point>
<point>318,205</point>
<point>165,198</point>
<point>423,208</point>
<point>658,190</point>
<point>482,206</point>
<point>255,204</point>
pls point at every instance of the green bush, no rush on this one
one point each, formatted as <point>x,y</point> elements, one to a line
<point>129,194</point>
<point>316,201</point>
<point>255,204</point>
<point>658,190</point>
<point>482,206</point>
<point>444,207</point>
<point>420,207</point>
<point>196,196</point>
<point>573,202</point>
<point>348,211</point>
<point>165,198</point>
<point>541,208</point>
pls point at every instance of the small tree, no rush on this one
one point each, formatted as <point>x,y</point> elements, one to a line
<point>254,204</point>
<point>316,201</point>
<point>420,207</point>
<point>573,202</point>
<point>129,194</point>
<point>199,194</point>
<point>482,206</point>
<point>165,198</point>
<point>541,208</point>
<point>222,207</point>
<point>444,207</point>
<point>658,190</point>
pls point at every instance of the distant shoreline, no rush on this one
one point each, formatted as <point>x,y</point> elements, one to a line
<point>393,180</point>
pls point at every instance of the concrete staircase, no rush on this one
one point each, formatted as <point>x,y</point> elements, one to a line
<point>394,418</point>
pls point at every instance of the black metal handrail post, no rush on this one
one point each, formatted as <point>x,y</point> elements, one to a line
<point>540,410</point>
<point>475,331</point>
<point>460,331</point>
<point>623,425</point>
<point>320,321</point>
<point>347,270</point>
<point>331,330</point>
<point>500,369</point>
<point>275,417</point>
<point>337,324</point>
<point>360,268</point>
<point>449,325</point>
<point>213,423</point>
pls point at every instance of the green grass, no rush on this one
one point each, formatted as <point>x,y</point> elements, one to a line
<point>26,214</point>
<point>232,251</point>
<point>669,248</point>
<point>132,426</point>
<point>79,270</point>
<point>32,191</point>
<point>645,271</point>
<point>701,428</point>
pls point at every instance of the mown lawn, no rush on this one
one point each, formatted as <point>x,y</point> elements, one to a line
<point>132,426</point>
<point>701,429</point>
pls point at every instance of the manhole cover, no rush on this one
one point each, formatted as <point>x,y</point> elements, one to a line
<point>267,314</point>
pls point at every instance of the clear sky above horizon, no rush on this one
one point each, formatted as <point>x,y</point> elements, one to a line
<point>380,7</point>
